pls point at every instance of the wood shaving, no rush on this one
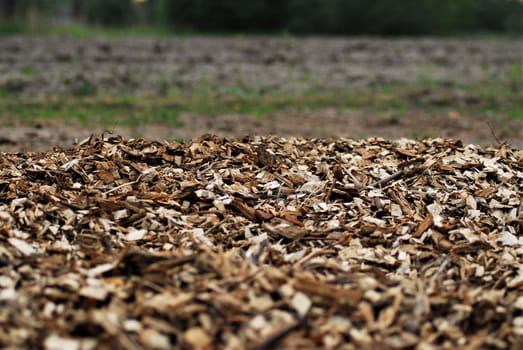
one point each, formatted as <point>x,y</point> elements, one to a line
<point>262,242</point>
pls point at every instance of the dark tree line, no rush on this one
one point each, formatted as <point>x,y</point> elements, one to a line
<point>380,17</point>
<point>392,17</point>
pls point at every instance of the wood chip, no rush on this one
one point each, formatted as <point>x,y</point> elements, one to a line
<point>260,243</point>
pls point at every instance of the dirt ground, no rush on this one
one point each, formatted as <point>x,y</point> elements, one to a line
<point>33,67</point>
<point>39,66</point>
<point>324,123</point>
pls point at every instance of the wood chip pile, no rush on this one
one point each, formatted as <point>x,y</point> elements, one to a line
<point>260,243</point>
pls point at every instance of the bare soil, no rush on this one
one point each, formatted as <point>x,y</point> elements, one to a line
<point>314,124</point>
<point>38,67</point>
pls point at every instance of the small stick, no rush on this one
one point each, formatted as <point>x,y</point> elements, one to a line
<point>396,175</point>
<point>213,227</point>
<point>387,179</point>
<point>494,134</point>
<point>329,191</point>
<point>123,185</point>
<point>201,172</point>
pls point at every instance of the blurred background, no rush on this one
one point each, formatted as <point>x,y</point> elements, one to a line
<point>314,68</point>
<point>333,17</point>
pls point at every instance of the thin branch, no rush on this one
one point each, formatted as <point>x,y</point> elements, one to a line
<point>404,172</point>
<point>328,194</point>
<point>387,179</point>
<point>123,185</point>
<point>494,134</point>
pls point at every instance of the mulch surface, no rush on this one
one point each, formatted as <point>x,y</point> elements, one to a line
<point>260,243</point>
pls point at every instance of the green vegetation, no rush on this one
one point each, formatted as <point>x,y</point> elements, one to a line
<point>11,28</point>
<point>27,71</point>
<point>338,17</point>
<point>89,111</point>
<point>86,31</point>
<point>395,99</point>
<point>516,77</point>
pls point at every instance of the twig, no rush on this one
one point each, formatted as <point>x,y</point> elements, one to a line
<point>400,173</point>
<point>328,194</point>
<point>387,179</point>
<point>123,185</point>
<point>441,268</point>
<point>201,172</point>
<point>213,227</point>
<point>313,238</point>
<point>258,254</point>
<point>494,134</point>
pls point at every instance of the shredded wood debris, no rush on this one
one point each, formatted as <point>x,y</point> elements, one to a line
<point>262,242</point>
